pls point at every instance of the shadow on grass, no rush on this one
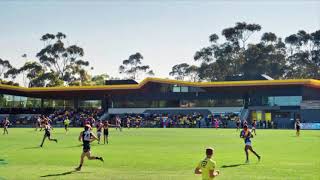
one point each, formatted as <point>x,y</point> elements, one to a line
<point>63,174</point>
<point>80,145</point>
<point>59,174</point>
<point>2,162</point>
<point>34,147</point>
<point>232,165</point>
<point>74,146</point>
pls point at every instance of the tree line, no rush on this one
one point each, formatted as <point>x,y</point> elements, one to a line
<point>59,64</point>
<point>233,53</point>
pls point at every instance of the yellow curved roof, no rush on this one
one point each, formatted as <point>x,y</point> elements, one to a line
<point>305,82</point>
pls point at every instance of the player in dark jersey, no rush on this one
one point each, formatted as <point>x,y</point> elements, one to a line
<point>297,127</point>
<point>47,134</point>
<point>105,132</point>
<point>87,137</point>
<point>254,126</point>
<point>6,124</point>
<point>238,123</point>
<point>246,135</point>
<point>128,122</point>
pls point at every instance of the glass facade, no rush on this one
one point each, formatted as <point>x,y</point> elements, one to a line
<point>89,104</point>
<point>212,103</point>
<point>58,103</point>
<point>180,89</point>
<point>145,104</point>
<point>11,101</point>
<point>178,103</point>
<point>268,116</point>
<point>164,88</point>
<point>256,115</point>
<point>282,100</point>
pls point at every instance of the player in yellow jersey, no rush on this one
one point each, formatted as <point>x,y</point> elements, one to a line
<point>207,166</point>
<point>66,123</point>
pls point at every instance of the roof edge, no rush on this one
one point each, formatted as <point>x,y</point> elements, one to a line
<point>311,82</point>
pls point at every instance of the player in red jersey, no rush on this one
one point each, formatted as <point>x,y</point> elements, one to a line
<point>254,126</point>
<point>128,122</point>
<point>118,123</point>
<point>99,126</point>
<point>38,122</point>
<point>6,124</point>
<point>238,122</point>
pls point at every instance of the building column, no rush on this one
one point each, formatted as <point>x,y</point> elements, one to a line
<point>246,99</point>
<point>104,103</point>
<point>75,103</point>
<point>263,115</point>
<point>107,102</point>
<point>42,103</point>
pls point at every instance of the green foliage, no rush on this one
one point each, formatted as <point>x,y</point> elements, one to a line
<point>133,66</point>
<point>268,37</point>
<point>4,67</point>
<point>61,64</point>
<point>192,73</point>
<point>36,74</point>
<point>184,70</point>
<point>240,33</point>
<point>100,79</point>
<point>179,71</point>
<point>297,57</point>
<point>11,83</point>
<point>267,57</point>
<point>304,55</point>
<point>58,64</point>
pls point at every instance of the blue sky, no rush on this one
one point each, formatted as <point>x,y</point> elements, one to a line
<point>165,32</point>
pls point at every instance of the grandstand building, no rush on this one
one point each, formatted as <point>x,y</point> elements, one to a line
<point>281,101</point>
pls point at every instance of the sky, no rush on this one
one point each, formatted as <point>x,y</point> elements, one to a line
<point>164,32</point>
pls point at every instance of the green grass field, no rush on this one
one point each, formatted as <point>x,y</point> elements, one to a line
<point>159,154</point>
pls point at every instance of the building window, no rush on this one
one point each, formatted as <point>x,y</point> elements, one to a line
<point>11,101</point>
<point>145,104</point>
<point>57,103</point>
<point>89,104</point>
<point>184,89</point>
<point>177,88</point>
<point>282,100</point>
<point>211,103</point>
